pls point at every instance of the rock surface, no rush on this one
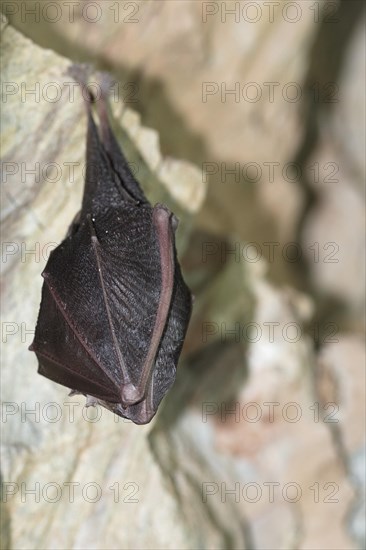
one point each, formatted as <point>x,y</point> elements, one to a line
<point>83,466</point>
<point>260,444</point>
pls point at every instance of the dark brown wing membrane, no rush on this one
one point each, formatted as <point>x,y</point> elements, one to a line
<point>115,308</point>
<point>107,287</point>
<point>168,354</point>
<point>63,357</point>
<point>109,180</point>
<point>117,159</point>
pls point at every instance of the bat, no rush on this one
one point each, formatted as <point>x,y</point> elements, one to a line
<point>115,308</point>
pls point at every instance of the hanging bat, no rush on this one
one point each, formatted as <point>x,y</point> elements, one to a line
<point>115,308</point>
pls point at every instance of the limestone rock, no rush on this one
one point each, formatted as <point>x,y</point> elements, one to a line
<point>260,444</point>
<point>85,468</point>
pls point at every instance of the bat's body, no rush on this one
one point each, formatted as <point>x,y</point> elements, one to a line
<point>115,308</point>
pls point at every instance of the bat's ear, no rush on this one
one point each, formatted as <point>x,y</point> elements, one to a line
<point>175,222</point>
<point>172,217</point>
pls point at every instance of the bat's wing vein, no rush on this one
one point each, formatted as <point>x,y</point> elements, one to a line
<point>95,244</point>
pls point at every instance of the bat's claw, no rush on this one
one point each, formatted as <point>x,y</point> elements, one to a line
<point>91,401</point>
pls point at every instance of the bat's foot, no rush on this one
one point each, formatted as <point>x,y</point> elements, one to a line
<point>91,401</point>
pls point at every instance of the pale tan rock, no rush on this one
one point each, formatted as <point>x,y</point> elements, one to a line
<point>205,433</point>
<point>333,245</point>
<point>334,230</point>
<point>187,75</point>
<point>341,384</point>
<point>116,477</point>
<point>349,113</point>
<point>184,182</point>
<point>273,432</point>
<point>344,362</point>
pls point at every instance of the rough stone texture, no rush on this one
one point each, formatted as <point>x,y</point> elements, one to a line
<point>346,386</point>
<point>204,435</point>
<point>50,445</point>
<point>188,58</point>
<point>338,217</point>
